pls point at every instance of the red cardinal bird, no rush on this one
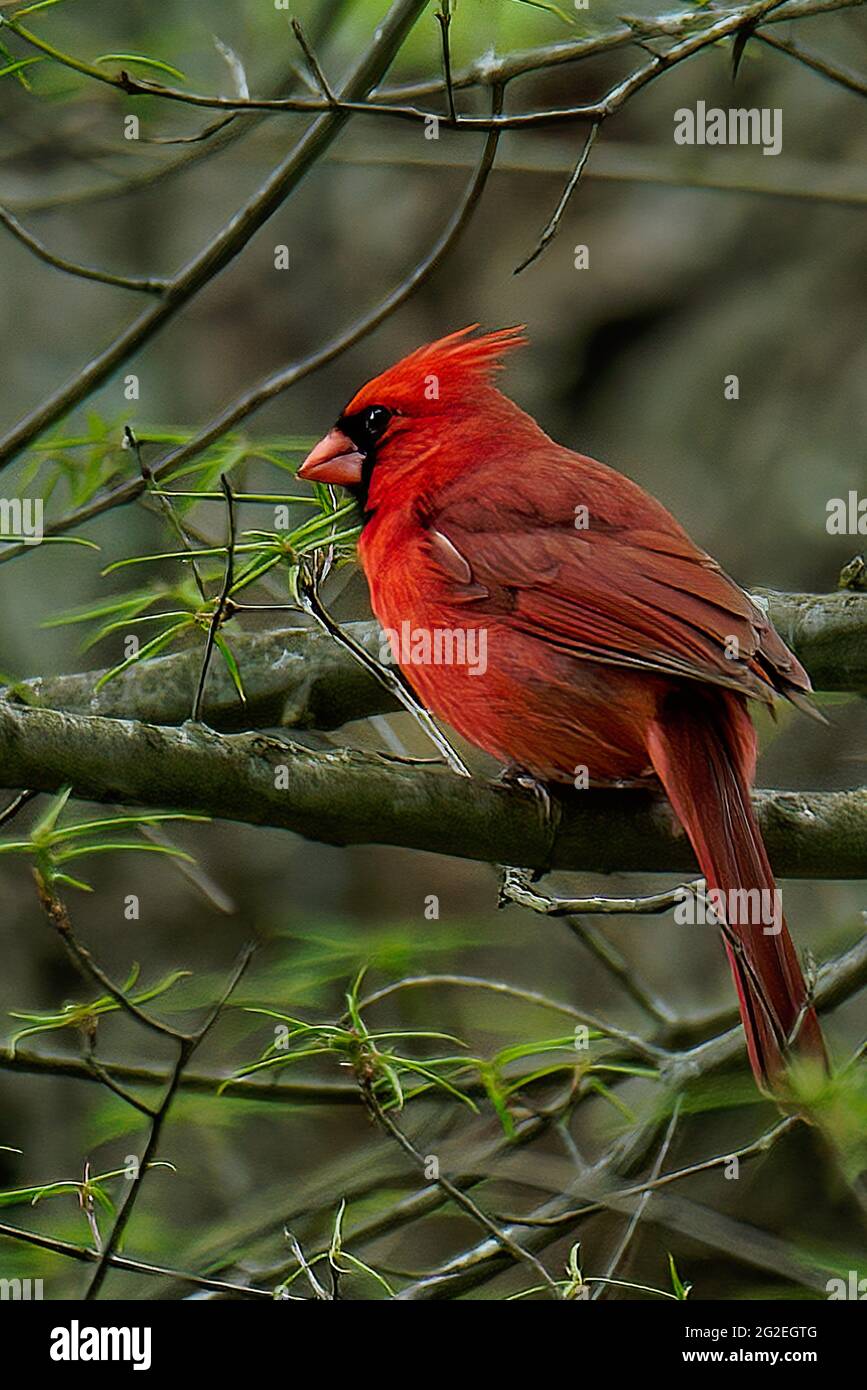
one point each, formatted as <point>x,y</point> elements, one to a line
<point>612,642</point>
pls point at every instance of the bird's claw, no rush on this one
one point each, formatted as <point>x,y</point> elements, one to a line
<point>549,809</point>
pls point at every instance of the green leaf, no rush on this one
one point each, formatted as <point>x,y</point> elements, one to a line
<point>145,818</point>
<point>48,820</point>
<point>231,665</point>
<point>19,65</point>
<point>143,61</point>
<point>31,9</point>
<point>64,856</point>
<point>681,1290</point>
<point>148,650</point>
<point>128,603</point>
<point>551,9</point>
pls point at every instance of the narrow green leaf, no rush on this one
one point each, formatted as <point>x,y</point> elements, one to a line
<point>143,61</point>
<point>148,650</point>
<point>231,665</point>
<point>19,65</point>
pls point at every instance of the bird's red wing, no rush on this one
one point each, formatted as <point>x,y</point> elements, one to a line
<point>629,592</point>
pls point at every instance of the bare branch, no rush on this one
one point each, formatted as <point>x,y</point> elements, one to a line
<point>187,1046</point>
<point>457,1194</point>
<point>231,239</point>
<point>300,1093</point>
<point>84,272</point>
<point>299,678</point>
<point>516,887</point>
<point>552,227</point>
<point>278,382</point>
<point>348,797</point>
<point>816,64</point>
<point>313,64</point>
<point>78,1252</point>
<point>223,605</point>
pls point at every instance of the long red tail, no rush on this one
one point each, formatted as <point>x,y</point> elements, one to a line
<point>703,749</point>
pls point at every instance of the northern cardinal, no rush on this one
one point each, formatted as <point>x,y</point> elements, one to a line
<point>613,643</point>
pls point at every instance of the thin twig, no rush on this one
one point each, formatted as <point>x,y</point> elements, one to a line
<point>752,1150</point>
<point>109,1082</point>
<point>390,679</point>
<point>15,805</point>
<point>444,16</point>
<point>151,285</point>
<point>187,1046</point>
<point>635,1218</point>
<point>553,225</point>
<point>633,1044</point>
<point>275,384</point>
<point>457,1195</point>
<point>845,79</point>
<point>597,943</point>
<point>318,1290</point>
<point>58,915</point>
<point>223,607</point>
<point>313,63</point>
<point>516,887</point>
<point>121,1262</point>
<point>164,502</point>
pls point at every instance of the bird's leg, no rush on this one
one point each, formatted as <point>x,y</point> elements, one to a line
<point>549,810</point>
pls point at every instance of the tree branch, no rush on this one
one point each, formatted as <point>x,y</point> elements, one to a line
<point>298,678</point>
<point>294,1093</point>
<point>693,37</point>
<point>231,239</point>
<point>345,797</point>
<point>153,285</point>
<point>676,24</point>
<point>273,385</point>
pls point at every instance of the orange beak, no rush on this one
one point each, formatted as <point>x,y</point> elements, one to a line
<point>335,459</point>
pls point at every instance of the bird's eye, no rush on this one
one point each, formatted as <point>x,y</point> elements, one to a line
<point>375,419</point>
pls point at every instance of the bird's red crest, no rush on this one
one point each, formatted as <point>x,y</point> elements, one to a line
<point>447,371</point>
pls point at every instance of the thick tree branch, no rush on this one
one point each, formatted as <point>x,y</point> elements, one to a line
<point>297,678</point>
<point>827,632</point>
<point>348,797</point>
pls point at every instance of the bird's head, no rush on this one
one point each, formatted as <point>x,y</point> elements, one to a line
<point>396,418</point>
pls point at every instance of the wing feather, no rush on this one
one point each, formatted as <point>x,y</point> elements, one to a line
<point>630,589</point>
